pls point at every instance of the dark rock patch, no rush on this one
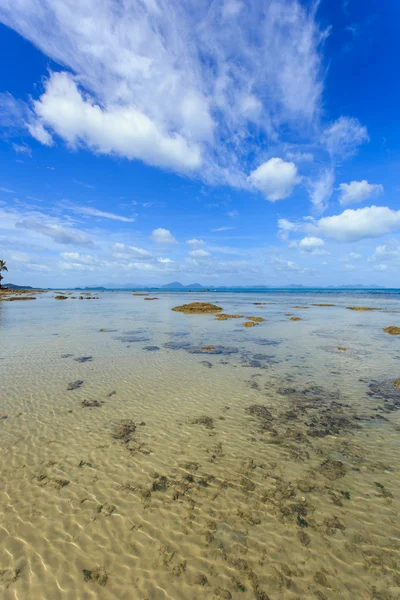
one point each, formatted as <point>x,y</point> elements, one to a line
<point>151,348</point>
<point>83,359</point>
<point>74,385</point>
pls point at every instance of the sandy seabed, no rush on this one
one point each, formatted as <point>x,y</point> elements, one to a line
<point>151,454</point>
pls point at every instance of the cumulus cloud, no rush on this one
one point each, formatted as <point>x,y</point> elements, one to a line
<point>124,131</point>
<point>358,191</point>
<point>343,137</point>
<point>353,225</point>
<point>58,234</point>
<point>275,178</point>
<point>163,236</point>
<point>321,190</point>
<point>312,245</point>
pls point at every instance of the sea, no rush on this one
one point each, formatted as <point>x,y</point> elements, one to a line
<point>150,454</point>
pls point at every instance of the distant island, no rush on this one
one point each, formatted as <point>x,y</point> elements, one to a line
<point>177,285</point>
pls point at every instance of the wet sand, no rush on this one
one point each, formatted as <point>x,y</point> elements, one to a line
<point>152,454</point>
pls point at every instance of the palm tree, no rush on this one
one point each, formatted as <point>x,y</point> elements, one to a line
<point>3,267</point>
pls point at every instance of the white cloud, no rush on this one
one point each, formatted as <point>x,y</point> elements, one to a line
<point>58,234</point>
<point>275,178</point>
<point>123,251</point>
<point>217,229</point>
<point>358,191</point>
<point>163,236</point>
<point>123,131</point>
<point>312,245</point>
<point>343,137</point>
<point>147,91</point>
<point>381,267</point>
<point>194,243</point>
<point>94,212</point>
<point>22,149</point>
<point>165,260</point>
<point>37,131</point>
<point>6,190</point>
<point>353,225</point>
<point>199,253</point>
<point>233,213</point>
<point>321,190</point>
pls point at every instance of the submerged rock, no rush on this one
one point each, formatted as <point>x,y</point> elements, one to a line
<point>332,469</point>
<point>151,298</point>
<point>392,330</point>
<point>208,422</point>
<point>342,349</point>
<point>91,403</point>
<point>151,348</point>
<point>255,319</point>
<point>259,411</point>
<point>249,324</point>
<point>198,308</point>
<point>74,385</point>
<point>361,308</point>
<point>98,575</point>
<point>295,319</point>
<point>60,297</point>
<point>83,359</point>
<point>123,431</point>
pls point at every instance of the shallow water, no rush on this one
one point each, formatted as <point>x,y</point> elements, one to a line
<point>267,468</point>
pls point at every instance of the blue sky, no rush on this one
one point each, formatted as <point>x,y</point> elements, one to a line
<point>221,142</point>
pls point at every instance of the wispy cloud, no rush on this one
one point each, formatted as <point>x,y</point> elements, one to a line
<point>94,212</point>
<point>182,85</point>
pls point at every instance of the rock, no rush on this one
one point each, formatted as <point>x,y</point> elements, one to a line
<point>225,317</point>
<point>198,308</point>
<point>332,469</point>
<point>323,304</point>
<point>98,575</point>
<point>392,330</point>
<point>207,348</point>
<point>150,298</point>
<point>256,319</point>
<point>83,359</point>
<point>295,319</point>
<point>139,294</point>
<point>300,307</point>
<point>61,297</point>
<point>249,324</point>
<point>74,385</point>
<point>200,579</point>
<point>260,411</point>
<point>361,308</point>
<point>342,349</point>
<point>124,431</point>
<point>396,383</point>
<point>208,422</point>
<point>91,403</point>
<point>20,298</point>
